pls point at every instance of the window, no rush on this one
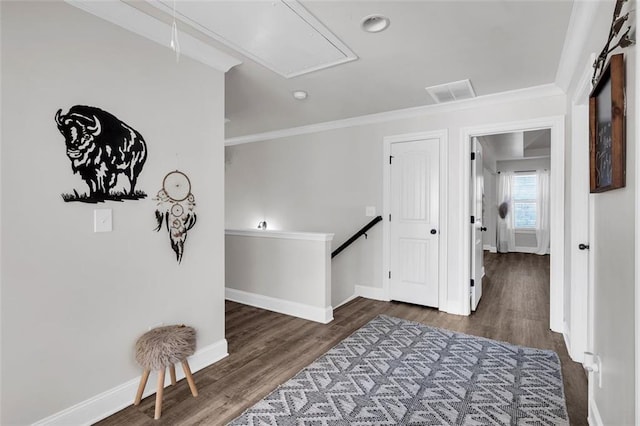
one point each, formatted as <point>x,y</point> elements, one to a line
<point>525,209</point>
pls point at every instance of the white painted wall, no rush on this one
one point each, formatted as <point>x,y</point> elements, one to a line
<point>322,181</point>
<point>614,251</point>
<point>524,165</point>
<point>73,301</point>
<point>283,272</point>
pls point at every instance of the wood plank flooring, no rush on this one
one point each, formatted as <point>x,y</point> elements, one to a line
<point>266,348</point>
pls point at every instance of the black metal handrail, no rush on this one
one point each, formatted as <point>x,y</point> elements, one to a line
<point>356,236</point>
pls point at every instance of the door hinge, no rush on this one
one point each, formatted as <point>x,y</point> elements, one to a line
<point>390,158</point>
<point>473,156</point>
<point>389,274</point>
<point>473,219</point>
<point>389,217</point>
<point>473,284</point>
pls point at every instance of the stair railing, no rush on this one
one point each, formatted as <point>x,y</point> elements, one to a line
<point>357,235</point>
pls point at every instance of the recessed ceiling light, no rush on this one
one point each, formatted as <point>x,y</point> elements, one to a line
<point>375,23</point>
<point>300,95</point>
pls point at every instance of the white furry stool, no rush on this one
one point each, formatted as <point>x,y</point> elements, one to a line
<point>163,347</point>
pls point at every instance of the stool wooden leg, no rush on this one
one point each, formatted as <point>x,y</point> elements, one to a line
<point>187,373</point>
<point>159,394</point>
<point>141,386</point>
<point>172,373</point>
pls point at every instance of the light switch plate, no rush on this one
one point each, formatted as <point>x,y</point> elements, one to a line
<point>370,211</point>
<point>102,220</point>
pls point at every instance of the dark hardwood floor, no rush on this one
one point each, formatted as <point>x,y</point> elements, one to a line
<point>266,348</point>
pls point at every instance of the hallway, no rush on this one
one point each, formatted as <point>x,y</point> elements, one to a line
<point>267,348</point>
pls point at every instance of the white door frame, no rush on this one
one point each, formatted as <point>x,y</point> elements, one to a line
<point>556,124</point>
<point>637,244</point>
<point>442,136</point>
<point>576,331</point>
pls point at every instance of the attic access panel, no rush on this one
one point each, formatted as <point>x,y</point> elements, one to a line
<point>279,34</point>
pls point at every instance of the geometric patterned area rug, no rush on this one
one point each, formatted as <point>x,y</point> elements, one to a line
<point>398,372</point>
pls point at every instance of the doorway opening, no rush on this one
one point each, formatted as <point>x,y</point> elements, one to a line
<point>535,132</point>
<point>509,198</point>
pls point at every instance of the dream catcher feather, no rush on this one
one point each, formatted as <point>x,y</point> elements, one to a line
<point>175,208</point>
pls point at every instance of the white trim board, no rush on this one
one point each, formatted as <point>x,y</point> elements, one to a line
<point>637,235</point>
<point>140,23</point>
<point>375,293</point>
<point>443,137</point>
<point>285,235</point>
<point>113,400</point>
<point>478,102</point>
<point>344,302</point>
<point>556,124</point>
<point>579,225</point>
<point>593,416</point>
<point>287,307</point>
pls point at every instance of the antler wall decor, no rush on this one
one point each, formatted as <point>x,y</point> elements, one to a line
<point>626,39</point>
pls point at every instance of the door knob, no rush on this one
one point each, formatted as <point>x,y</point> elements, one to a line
<point>434,232</point>
<point>483,228</point>
<point>583,246</point>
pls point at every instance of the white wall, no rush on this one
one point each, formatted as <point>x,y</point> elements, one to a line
<point>613,247</point>
<point>614,254</point>
<point>524,165</point>
<point>323,181</point>
<point>74,301</point>
<point>282,272</point>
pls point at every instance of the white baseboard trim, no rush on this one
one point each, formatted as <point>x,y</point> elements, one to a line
<point>594,418</point>
<point>107,403</point>
<point>566,334</point>
<point>525,249</point>
<point>287,307</point>
<point>344,302</point>
<point>490,248</point>
<point>375,293</point>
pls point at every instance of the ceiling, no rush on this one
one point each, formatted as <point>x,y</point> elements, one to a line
<point>518,145</point>
<point>499,45</point>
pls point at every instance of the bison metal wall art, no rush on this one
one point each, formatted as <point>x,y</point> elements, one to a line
<point>101,149</point>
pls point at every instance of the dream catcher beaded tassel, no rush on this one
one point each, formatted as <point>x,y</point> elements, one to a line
<point>176,206</point>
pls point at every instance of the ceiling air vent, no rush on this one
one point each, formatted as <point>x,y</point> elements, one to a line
<point>450,92</point>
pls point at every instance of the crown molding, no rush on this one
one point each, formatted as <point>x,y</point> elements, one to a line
<point>138,22</point>
<point>580,25</point>
<point>479,102</point>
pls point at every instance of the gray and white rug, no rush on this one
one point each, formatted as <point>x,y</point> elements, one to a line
<point>398,372</point>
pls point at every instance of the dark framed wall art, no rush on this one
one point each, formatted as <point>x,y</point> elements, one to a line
<point>607,146</point>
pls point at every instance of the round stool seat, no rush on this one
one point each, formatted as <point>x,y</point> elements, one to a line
<point>165,346</point>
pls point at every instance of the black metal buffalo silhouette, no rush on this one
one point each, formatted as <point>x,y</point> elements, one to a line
<point>101,147</point>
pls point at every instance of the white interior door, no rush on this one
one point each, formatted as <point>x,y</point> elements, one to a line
<point>577,312</point>
<point>413,257</point>
<point>477,226</point>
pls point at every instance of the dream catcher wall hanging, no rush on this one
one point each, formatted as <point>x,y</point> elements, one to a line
<point>175,208</point>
